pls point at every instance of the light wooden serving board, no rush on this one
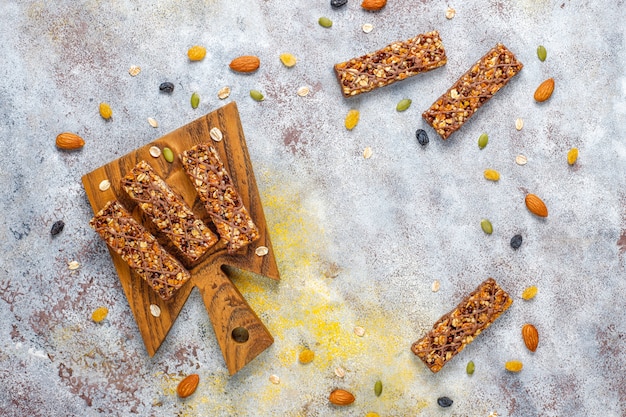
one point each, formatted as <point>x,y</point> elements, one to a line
<point>231,316</point>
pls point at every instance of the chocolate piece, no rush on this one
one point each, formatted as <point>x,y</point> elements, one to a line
<point>216,190</point>
<point>472,90</point>
<point>394,62</point>
<point>168,212</point>
<point>135,245</point>
<point>456,329</point>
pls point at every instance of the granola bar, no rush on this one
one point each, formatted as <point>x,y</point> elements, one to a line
<point>168,212</point>
<point>135,245</point>
<point>472,90</point>
<point>216,190</point>
<point>395,62</point>
<point>456,329</point>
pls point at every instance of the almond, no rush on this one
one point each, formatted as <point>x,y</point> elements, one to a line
<point>373,5</point>
<point>341,397</point>
<point>530,336</point>
<point>69,141</point>
<point>536,206</point>
<point>545,89</point>
<point>245,63</point>
<point>188,386</point>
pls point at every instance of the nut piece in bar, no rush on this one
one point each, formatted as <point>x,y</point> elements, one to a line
<point>472,90</point>
<point>456,329</point>
<point>216,190</point>
<point>168,212</point>
<point>135,245</point>
<point>394,62</point>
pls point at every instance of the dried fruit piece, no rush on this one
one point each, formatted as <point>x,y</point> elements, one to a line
<point>444,402</point>
<point>542,53</point>
<point>168,155</point>
<point>516,241</point>
<point>188,386</point>
<point>529,293</point>
<point>544,91</point>
<point>572,156</point>
<point>378,388</point>
<point>492,175</point>
<point>513,366</point>
<point>256,95</point>
<point>306,356</point>
<point>245,63</point>
<point>483,140</point>
<point>470,368</point>
<point>422,137</point>
<point>403,104</point>
<point>486,226</point>
<point>99,314</point>
<point>57,227</point>
<point>341,397</point>
<point>196,53</point>
<point>69,141</point>
<point>530,336</point>
<point>338,3</point>
<point>373,5</point>
<point>325,22</point>
<point>105,111</point>
<point>536,205</point>
<point>195,100</point>
<point>288,60</point>
<point>352,119</point>
<point>372,414</point>
<point>166,87</point>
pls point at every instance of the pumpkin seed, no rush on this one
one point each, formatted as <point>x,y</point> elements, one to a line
<point>470,368</point>
<point>104,185</point>
<point>223,93</point>
<point>325,22</point>
<point>572,156</point>
<point>216,134</point>
<point>521,160</point>
<point>195,100</point>
<point>288,60</point>
<point>155,152</point>
<point>486,226</point>
<point>403,104</point>
<point>168,155</point>
<point>378,388</point>
<point>483,140</point>
<point>57,227</point>
<point>257,95</point>
<point>155,310</point>
<point>542,53</point>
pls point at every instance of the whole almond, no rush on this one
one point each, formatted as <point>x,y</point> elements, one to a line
<point>188,386</point>
<point>536,205</point>
<point>69,141</point>
<point>373,5</point>
<point>341,397</point>
<point>245,63</point>
<point>545,89</point>
<point>530,336</point>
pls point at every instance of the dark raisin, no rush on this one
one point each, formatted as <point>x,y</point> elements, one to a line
<point>57,227</point>
<point>422,137</point>
<point>444,402</point>
<point>166,87</point>
<point>516,241</point>
<point>338,3</point>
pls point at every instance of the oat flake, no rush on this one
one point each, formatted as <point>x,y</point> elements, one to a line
<point>367,153</point>
<point>73,265</point>
<point>223,93</point>
<point>303,91</point>
<point>155,151</point>
<point>134,70</point>
<point>359,331</point>
<point>521,160</point>
<point>155,310</point>
<point>454,93</point>
<point>368,27</point>
<point>261,251</point>
<point>450,12</point>
<point>275,379</point>
<point>519,124</point>
<point>153,122</point>
<point>104,185</point>
<point>435,286</point>
<point>216,134</point>
<point>340,372</point>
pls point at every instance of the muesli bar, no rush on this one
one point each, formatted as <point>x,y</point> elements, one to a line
<point>472,90</point>
<point>222,201</point>
<point>456,329</point>
<point>395,62</point>
<point>135,245</point>
<point>168,212</point>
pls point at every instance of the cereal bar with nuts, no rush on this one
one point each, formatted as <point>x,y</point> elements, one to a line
<point>458,328</point>
<point>395,62</point>
<point>217,191</point>
<point>168,212</point>
<point>140,249</point>
<point>492,72</point>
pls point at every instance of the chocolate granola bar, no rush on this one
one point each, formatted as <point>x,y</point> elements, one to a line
<point>168,212</point>
<point>222,201</point>
<point>395,62</point>
<point>472,90</point>
<point>456,329</point>
<point>135,245</point>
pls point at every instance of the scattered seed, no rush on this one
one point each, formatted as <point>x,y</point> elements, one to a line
<point>516,241</point>
<point>105,111</point>
<point>513,366</point>
<point>521,160</point>
<point>403,104</point>
<point>261,251</point>
<point>275,379</point>
<point>303,91</point>
<point>216,134</point>
<point>99,314</point>
<point>470,368</point>
<point>519,124</point>
<point>338,3</point>
<point>491,175</point>
<point>134,70</point>
<point>257,95</point>
<point>325,22</point>
<point>367,153</point>
<point>542,53</point>
<point>196,53</point>
<point>486,226</point>
<point>168,155</point>
<point>155,151</point>
<point>352,119</point>
<point>444,402</point>
<point>166,87</point>
<point>155,310</point>
<point>223,93</point>
<point>422,137</point>
<point>367,27</point>
<point>288,60</point>
<point>153,122</point>
<point>73,265</point>
<point>529,293</point>
<point>378,388</point>
<point>195,100</point>
<point>57,227</point>
<point>104,185</point>
<point>359,331</point>
<point>306,356</point>
<point>435,286</point>
<point>450,13</point>
<point>572,156</point>
<point>340,372</point>
<point>483,140</point>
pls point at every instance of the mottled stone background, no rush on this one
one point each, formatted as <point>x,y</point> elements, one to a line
<point>358,241</point>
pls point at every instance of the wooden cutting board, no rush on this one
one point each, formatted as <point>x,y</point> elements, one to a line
<point>240,333</point>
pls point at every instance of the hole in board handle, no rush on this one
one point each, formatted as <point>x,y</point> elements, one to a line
<point>240,334</point>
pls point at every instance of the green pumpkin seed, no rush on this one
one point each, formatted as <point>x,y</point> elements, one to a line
<point>470,368</point>
<point>403,104</point>
<point>542,53</point>
<point>168,155</point>
<point>195,100</point>
<point>257,95</point>
<point>486,226</point>
<point>482,140</point>
<point>378,388</point>
<point>325,22</point>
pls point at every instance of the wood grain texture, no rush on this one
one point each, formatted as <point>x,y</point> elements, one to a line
<point>227,308</point>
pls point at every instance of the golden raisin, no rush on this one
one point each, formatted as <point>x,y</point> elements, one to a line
<point>513,366</point>
<point>196,53</point>
<point>306,356</point>
<point>352,118</point>
<point>492,175</point>
<point>105,111</point>
<point>99,314</point>
<point>372,414</point>
<point>572,156</point>
<point>529,293</point>
<point>288,60</point>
